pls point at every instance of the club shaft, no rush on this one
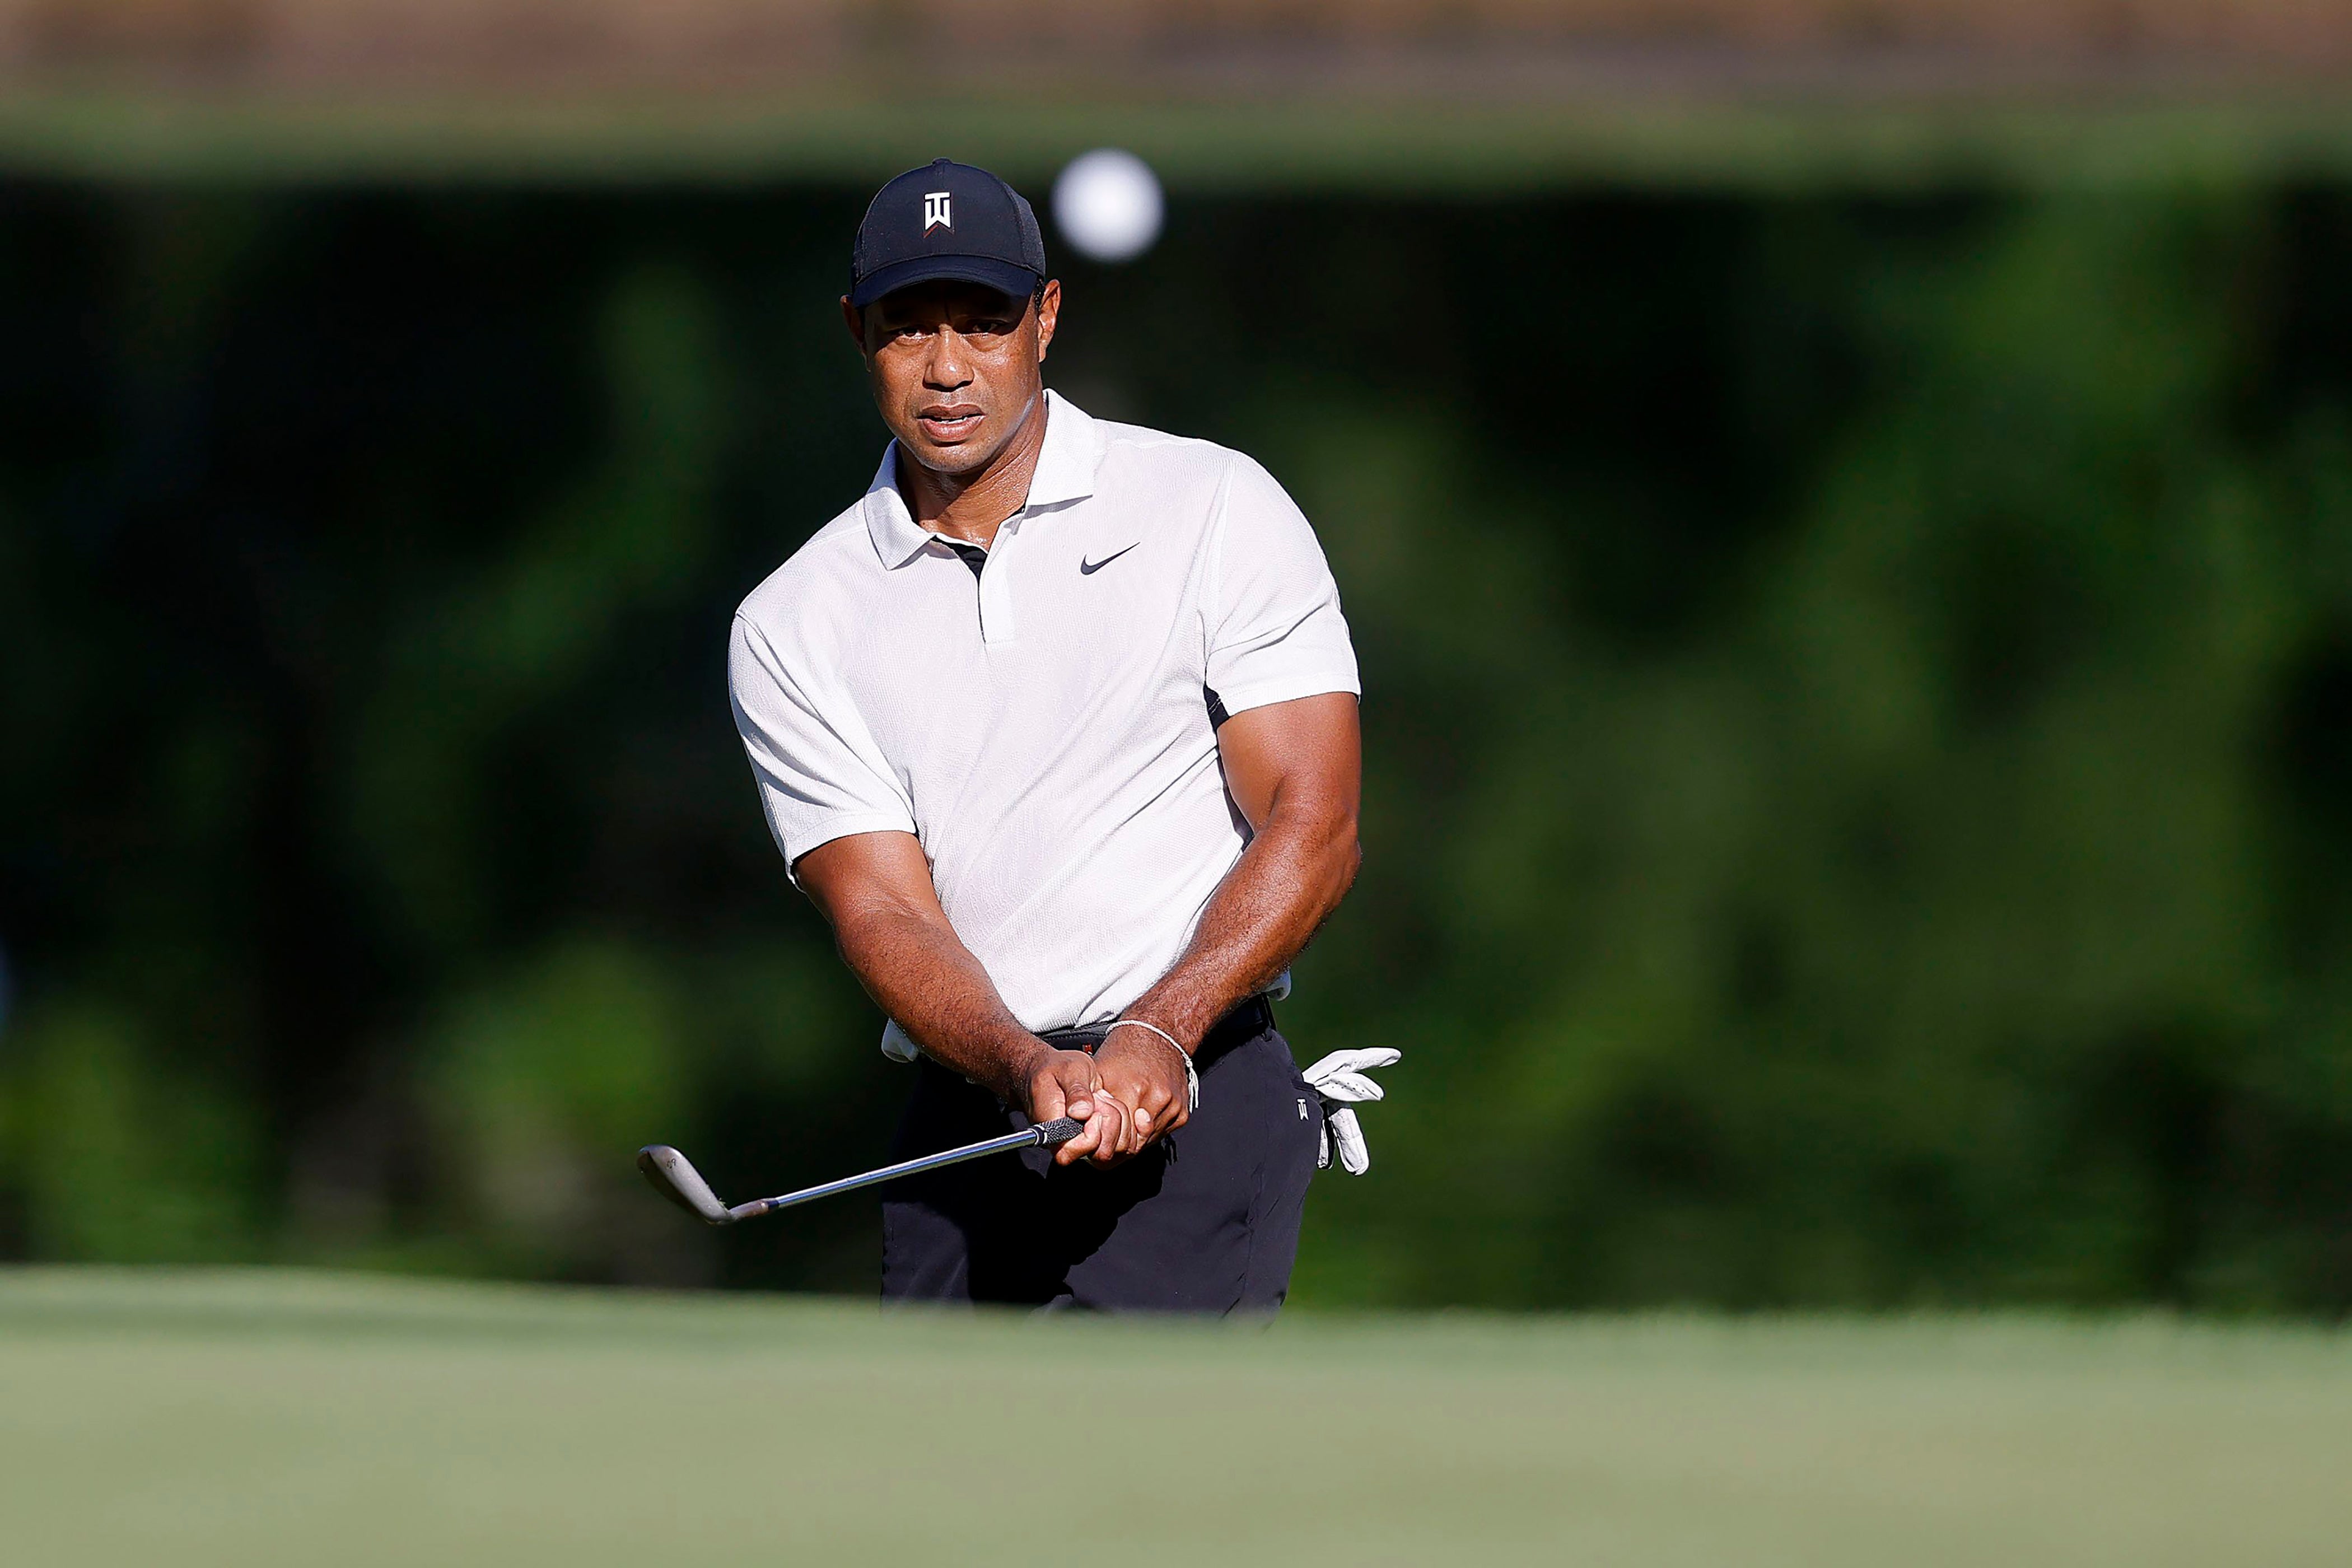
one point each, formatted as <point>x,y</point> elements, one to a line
<point>757,1207</point>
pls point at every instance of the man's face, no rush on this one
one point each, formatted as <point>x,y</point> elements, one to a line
<point>955,367</point>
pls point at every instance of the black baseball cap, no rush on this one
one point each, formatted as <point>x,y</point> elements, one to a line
<point>946,220</point>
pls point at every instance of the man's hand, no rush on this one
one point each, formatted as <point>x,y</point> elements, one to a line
<point>1141,1070</point>
<point>1066,1083</point>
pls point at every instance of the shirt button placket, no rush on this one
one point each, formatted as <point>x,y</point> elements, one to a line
<point>996,589</point>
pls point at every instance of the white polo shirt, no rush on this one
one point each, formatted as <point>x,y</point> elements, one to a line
<point>1042,728</point>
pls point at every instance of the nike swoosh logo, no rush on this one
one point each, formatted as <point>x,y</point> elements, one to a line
<point>1089,568</point>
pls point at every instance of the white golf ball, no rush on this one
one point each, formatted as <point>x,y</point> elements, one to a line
<point>1107,205</point>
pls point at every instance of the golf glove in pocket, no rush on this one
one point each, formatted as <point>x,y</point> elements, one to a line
<point>1339,1079</point>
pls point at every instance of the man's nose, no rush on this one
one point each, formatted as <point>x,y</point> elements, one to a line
<point>948,366</point>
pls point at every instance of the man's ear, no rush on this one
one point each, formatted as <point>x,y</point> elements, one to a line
<point>854,318</point>
<point>1049,313</point>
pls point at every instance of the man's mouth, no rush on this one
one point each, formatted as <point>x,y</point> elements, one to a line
<point>951,422</point>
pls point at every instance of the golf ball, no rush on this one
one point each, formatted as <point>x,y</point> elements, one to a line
<point>1107,205</point>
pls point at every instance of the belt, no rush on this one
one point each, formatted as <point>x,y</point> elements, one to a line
<point>1243,1025</point>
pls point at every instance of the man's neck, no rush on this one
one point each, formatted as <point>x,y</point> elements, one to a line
<point>973,506</point>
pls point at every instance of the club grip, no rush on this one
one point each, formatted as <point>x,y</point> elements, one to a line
<point>1061,1129</point>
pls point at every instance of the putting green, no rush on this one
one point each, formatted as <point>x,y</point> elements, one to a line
<point>259,1418</point>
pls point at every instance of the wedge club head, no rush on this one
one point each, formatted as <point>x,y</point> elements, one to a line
<point>681,1184</point>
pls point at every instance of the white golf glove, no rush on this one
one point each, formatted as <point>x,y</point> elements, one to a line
<point>1339,1079</point>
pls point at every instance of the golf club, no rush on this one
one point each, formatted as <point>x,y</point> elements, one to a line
<point>679,1182</point>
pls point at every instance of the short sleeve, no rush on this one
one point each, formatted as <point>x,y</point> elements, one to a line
<point>1275,628</point>
<point>819,773</point>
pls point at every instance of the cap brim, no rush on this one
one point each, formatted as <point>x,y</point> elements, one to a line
<point>1007,277</point>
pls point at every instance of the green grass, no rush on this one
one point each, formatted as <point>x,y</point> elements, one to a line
<point>258,1418</point>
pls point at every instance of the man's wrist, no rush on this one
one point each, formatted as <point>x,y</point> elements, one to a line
<point>1173,1017</point>
<point>1161,1032</point>
<point>1018,1058</point>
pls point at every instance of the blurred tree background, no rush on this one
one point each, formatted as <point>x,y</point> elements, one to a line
<point>1859,706</point>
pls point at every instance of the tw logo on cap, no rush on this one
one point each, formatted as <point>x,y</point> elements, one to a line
<point>936,213</point>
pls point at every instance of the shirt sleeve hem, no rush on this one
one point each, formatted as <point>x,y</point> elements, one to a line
<point>1266,693</point>
<point>824,831</point>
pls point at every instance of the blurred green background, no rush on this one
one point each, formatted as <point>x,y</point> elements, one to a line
<point>1859,708</point>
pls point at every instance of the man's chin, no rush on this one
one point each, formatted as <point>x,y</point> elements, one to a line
<point>965,455</point>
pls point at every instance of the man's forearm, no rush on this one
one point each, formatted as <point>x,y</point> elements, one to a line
<point>1288,880</point>
<point>876,888</point>
<point>923,977</point>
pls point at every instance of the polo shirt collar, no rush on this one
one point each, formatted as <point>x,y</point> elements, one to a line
<point>1066,462</point>
<point>896,535</point>
<point>1065,472</point>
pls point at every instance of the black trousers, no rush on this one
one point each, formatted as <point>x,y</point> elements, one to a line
<point>1204,1220</point>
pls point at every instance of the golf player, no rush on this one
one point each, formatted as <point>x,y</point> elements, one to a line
<point>1058,726</point>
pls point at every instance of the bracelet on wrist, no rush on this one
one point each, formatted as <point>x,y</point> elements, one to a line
<point>1192,1075</point>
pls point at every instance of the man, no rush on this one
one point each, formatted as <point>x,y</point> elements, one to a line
<point>1058,726</point>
